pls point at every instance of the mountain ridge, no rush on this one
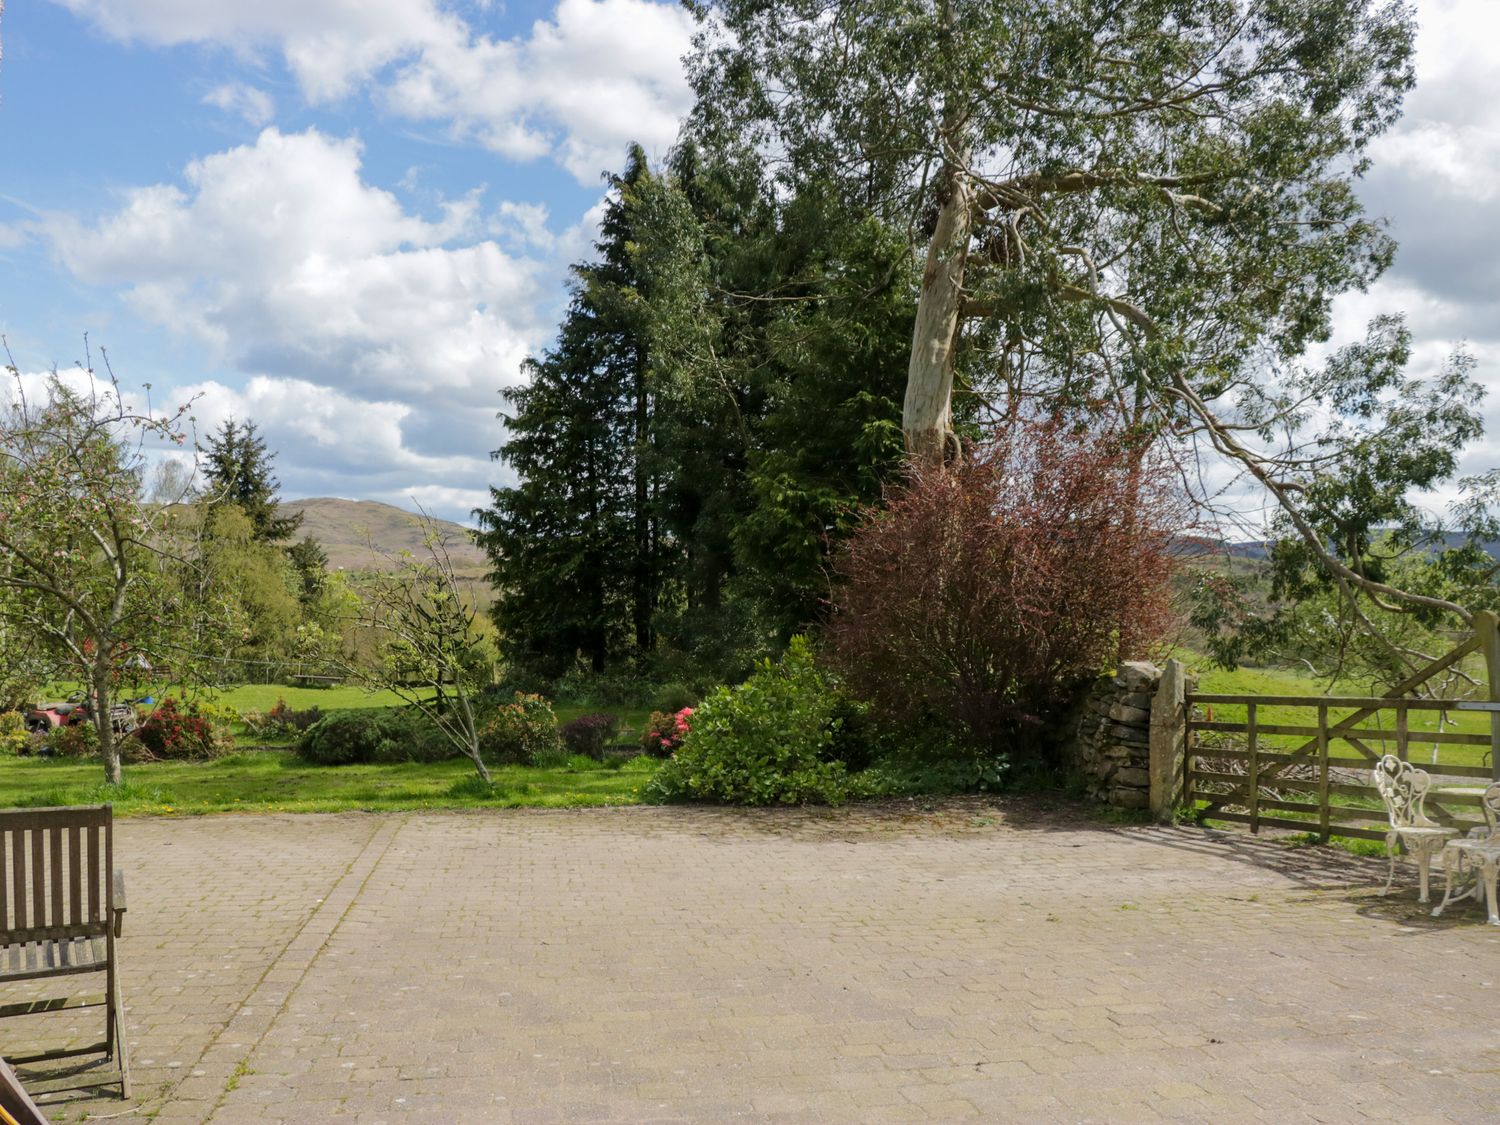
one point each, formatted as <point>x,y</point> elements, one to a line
<point>346,530</point>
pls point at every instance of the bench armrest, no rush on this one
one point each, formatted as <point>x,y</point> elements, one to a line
<point>119,901</point>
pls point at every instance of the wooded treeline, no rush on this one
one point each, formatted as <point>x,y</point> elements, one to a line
<point>722,399</point>
<point>888,226</point>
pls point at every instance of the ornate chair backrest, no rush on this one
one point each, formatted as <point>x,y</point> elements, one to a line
<point>1490,803</point>
<point>1403,788</point>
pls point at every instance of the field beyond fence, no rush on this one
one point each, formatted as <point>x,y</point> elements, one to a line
<point>1304,763</point>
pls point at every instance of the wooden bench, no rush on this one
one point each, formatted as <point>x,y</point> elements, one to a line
<point>61,907</point>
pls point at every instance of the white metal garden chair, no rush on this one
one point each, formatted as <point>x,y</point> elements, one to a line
<point>1476,856</point>
<point>1403,788</point>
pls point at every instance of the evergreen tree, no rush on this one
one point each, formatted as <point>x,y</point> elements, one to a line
<point>310,562</point>
<point>238,472</point>
<point>692,449</point>
<point>780,328</point>
<point>702,239</point>
<point>831,434</point>
<point>575,543</point>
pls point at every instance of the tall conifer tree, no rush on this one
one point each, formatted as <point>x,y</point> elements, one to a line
<point>239,472</point>
<point>575,542</point>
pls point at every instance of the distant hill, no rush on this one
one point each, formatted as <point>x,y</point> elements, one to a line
<point>1192,546</point>
<point>346,528</point>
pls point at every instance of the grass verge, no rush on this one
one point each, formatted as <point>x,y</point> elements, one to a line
<point>277,781</point>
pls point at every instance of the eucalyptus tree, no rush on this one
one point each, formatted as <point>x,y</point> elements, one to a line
<point>1124,192</point>
<point>1136,209</point>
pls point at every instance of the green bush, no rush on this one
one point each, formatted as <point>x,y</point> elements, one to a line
<point>282,721</point>
<point>520,731</point>
<point>221,715</point>
<point>351,737</point>
<point>14,738</point>
<point>77,740</point>
<point>617,688</point>
<point>767,741</point>
<point>912,774</point>
<point>671,698</point>
<point>590,734</point>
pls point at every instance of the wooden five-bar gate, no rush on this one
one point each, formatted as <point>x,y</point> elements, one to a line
<point>1315,776</point>
<point>1304,763</point>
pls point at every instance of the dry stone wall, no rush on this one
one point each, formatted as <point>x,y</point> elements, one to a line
<point>1110,744</point>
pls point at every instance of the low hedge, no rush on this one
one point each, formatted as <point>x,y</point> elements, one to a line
<point>360,737</point>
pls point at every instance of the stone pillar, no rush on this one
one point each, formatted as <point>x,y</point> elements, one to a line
<point>1168,740</point>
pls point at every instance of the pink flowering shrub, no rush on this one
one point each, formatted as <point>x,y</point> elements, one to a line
<point>664,733</point>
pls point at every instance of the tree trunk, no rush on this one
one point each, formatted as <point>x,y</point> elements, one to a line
<point>109,749</point>
<point>477,758</point>
<point>927,413</point>
<point>641,595</point>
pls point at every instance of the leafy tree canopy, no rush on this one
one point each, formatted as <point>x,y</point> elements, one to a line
<point>88,573</point>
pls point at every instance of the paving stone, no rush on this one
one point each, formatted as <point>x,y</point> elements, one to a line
<point>982,960</point>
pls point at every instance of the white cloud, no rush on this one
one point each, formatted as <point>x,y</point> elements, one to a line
<point>435,498</point>
<point>523,225</point>
<point>580,87</point>
<point>281,256</point>
<point>329,45</point>
<point>1450,133</point>
<point>320,426</point>
<point>248,102</point>
<point>602,74</point>
<point>373,338</point>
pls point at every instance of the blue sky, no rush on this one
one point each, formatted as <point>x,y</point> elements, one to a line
<point>346,219</point>
<point>351,219</point>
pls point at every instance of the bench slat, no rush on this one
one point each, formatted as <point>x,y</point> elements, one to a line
<point>75,869</point>
<point>18,877</point>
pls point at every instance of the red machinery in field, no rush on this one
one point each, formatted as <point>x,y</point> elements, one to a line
<point>44,716</point>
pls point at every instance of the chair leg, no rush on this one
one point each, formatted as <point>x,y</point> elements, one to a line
<point>122,1050</point>
<point>1490,874</point>
<point>1454,867</point>
<point>1424,860</point>
<point>1390,858</point>
<point>1447,888</point>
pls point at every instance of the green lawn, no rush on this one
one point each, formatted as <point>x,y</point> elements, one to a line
<point>262,697</point>
<point>1285,681</point>
<point>276,781</point>
<point>349,697</point>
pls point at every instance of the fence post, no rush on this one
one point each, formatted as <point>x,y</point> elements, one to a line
<point>1253,786</point>
<point>1324,812</point>
<point>1487,629</point>
<point>1168,741</point>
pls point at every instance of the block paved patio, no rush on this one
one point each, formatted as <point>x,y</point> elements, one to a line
<point>973,959</point>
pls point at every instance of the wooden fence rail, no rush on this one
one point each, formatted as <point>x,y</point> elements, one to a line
<point>1247,772</point>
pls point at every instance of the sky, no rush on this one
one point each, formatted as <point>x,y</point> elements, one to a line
<point>351,220</point>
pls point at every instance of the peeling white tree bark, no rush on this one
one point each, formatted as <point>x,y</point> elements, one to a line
<point>927,413</point>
